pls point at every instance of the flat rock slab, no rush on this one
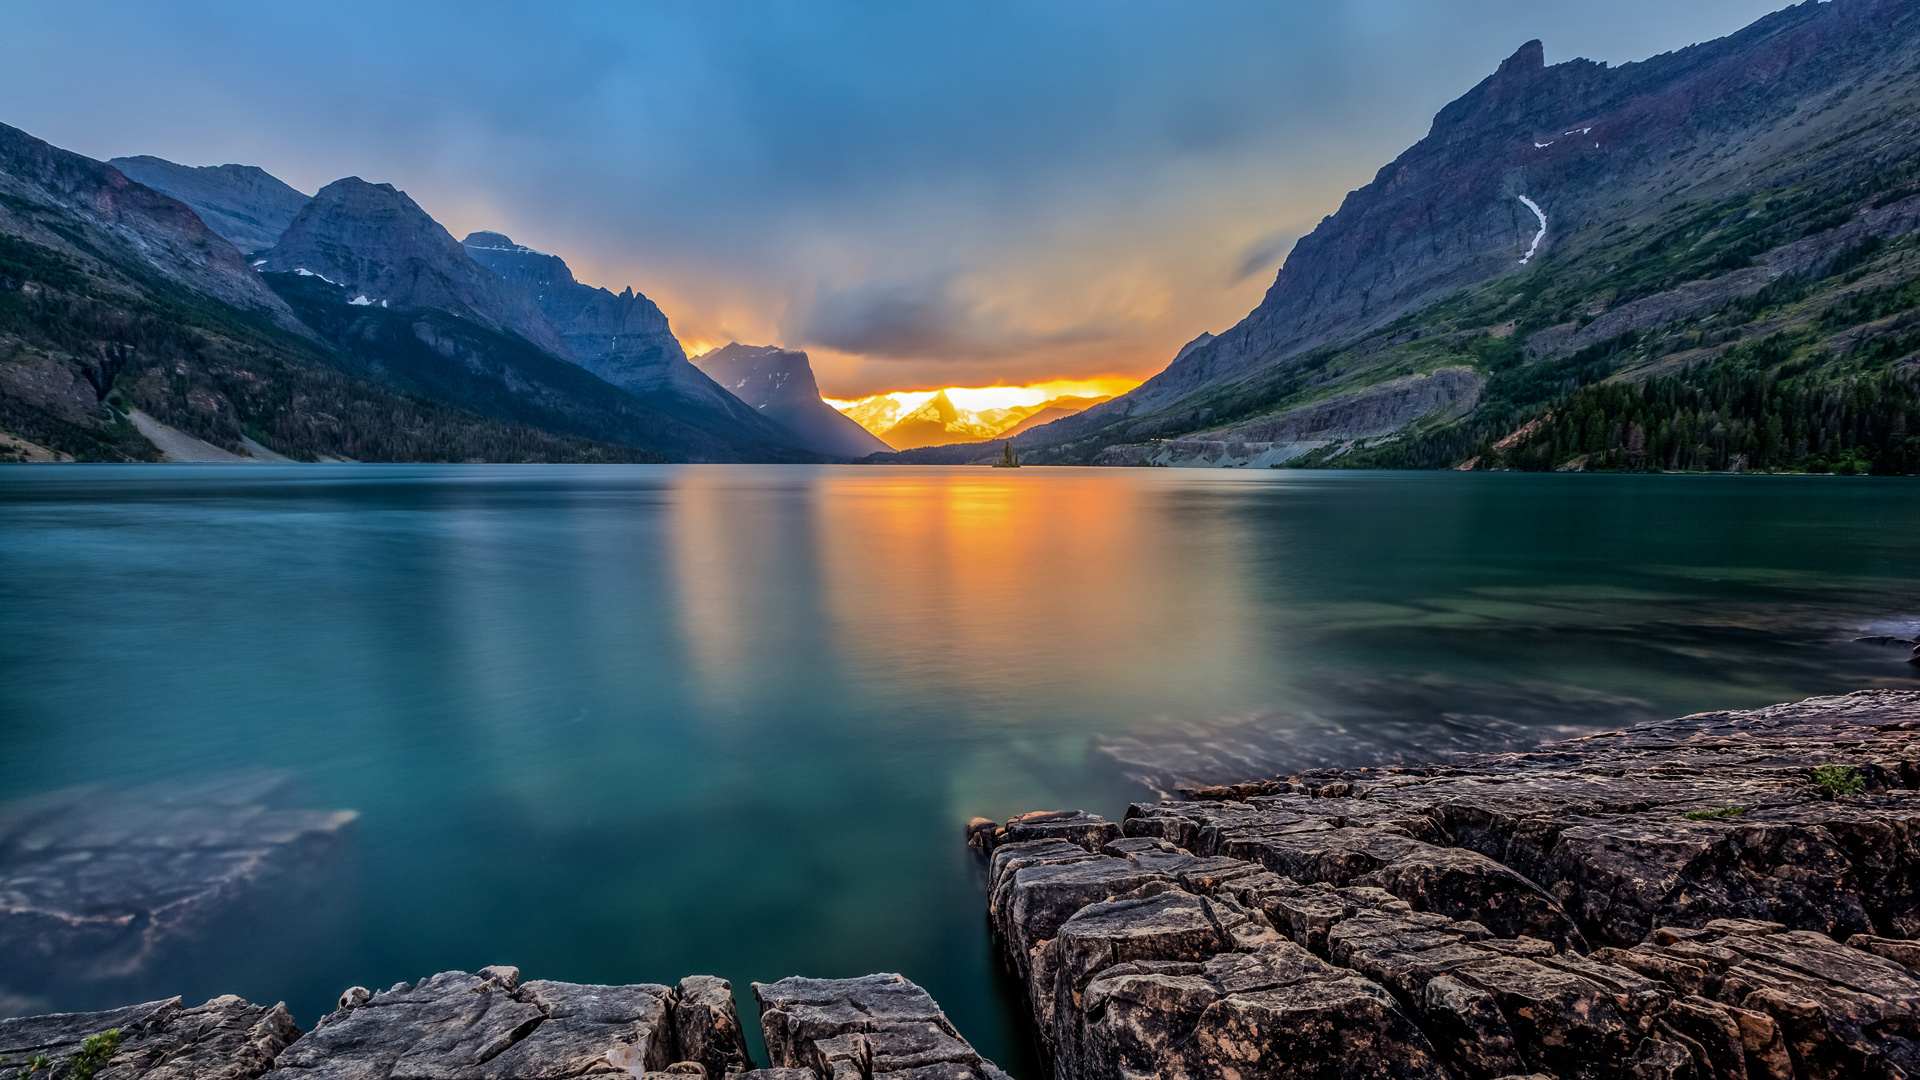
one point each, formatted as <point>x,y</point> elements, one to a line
<point>854,1029</point>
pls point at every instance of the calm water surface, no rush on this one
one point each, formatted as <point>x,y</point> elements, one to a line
<point>625,724</point>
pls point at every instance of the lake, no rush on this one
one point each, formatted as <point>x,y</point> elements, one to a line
<point>623,724</point>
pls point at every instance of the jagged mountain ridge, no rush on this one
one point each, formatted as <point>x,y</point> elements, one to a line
<point>244,203</point>
<point>116,299</point>
<point>407,307</point>
<point>780,383</point>
<point>1757,134</point>
<point>442,357</point>
<point>626,341</point>
<point>623,338</point>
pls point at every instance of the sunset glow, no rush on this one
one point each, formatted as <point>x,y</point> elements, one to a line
<point>979,398</point>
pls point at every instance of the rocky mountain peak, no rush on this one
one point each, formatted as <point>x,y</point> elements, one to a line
<point>1526,61</point>
<point>535,271</point>
<point>243,203</point>
<point>162,231</point>
<point>780,384</point>
<point>491,240</point>
<point>761,375</point>
<point>376,240</point>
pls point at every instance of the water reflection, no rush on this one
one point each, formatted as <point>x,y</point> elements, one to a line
<point>617,724</point>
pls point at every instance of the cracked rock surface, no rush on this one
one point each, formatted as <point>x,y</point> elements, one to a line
<point>1553,913</point>
<point>870,1027</point>
<point>490,1025</point>
<point>225,1039</point>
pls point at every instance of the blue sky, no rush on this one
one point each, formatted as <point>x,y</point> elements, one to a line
<point>920,194</point>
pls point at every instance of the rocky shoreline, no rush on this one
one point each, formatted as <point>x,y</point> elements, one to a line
<point>1727,896</point>
<point>489,1025</point>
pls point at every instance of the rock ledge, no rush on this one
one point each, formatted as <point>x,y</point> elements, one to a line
<point>1727,896</point>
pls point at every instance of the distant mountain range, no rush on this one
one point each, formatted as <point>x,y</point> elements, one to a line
<point>1706,260</point>
<point>354,327</point>
<point>902,425</point>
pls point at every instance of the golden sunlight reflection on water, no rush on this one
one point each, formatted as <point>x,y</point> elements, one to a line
<point>937,579</point>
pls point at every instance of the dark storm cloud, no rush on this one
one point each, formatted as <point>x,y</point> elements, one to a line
<point>733,155</point>
<point>925,320</point>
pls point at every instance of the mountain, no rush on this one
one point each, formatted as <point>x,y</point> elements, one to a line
<point>118,304</point>
<point>624,339</point>
<point>1050,410</point>
<point>779,382</point>
<point>244,203</point>
<point>373,239</point>
<point>1567,226</point>
<point>938,421</point>
<point>443,357</point>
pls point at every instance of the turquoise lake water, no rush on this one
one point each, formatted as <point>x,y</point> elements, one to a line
<point>617,724</point>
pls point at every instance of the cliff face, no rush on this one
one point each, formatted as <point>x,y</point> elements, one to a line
<point>375,240</point>
<point>780,383</point>
<point>1546,189</point>
<point>624,338</point>
<point>244,203</point>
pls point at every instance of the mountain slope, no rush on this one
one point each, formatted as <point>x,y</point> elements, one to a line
<point>441,357</point>
<point>780,383</point>
<point>1550,210</point>
<point>116,299</point>
<point>243,203</point>
<point>623,339</point>
<point>375,240</point>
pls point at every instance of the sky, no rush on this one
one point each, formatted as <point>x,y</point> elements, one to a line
<point>919,194</point>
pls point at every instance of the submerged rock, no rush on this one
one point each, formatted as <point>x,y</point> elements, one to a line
<point>95,883</point>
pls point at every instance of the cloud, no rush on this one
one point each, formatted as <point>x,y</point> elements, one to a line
<point>930,319</point>
<point>1264,254</point>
